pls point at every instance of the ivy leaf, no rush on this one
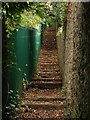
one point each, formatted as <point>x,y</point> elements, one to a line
<point>40,13</point>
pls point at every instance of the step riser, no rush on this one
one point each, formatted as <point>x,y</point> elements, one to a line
<point>48,73</point>
<point>46,86</point>
<point>46,99</point>
<point>49,64</point>
<point>48,70</point>
<point>45,60</point>
<point>47,77</point>
<point>46,107</point>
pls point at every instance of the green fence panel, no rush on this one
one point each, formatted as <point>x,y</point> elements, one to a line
<point>15,78</point>
<point>27,49</point>
<point>35,44</point>
<point>22,50</point>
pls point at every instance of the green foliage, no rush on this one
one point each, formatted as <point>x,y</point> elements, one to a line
<point>59,12</point>
<point>13,105</point>
<point>52,12</point>
<point>29,19</point>
<point>25,83</point>
<point>12,15</point>
<point>60,31</point>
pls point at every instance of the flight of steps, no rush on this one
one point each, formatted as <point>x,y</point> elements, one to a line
<point>48,75</point>
<point>43,99</point>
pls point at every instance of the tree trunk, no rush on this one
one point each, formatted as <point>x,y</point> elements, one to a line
<point>76,62</point>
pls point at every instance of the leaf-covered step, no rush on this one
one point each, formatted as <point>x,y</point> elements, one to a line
<point>30,118</point>
<point>42,93</point>
<point>48,105</point>
<point>45,99</point>
<point>46,79</point>
<point>49,73</point>
<point>49,63</point>
<point>46,84</point>
<point>36,114</point>
<point>48,66</point>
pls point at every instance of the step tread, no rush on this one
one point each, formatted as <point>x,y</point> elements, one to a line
<point>47,106</point>
<point>43,103</point>
<point>35,92</point>
<point>49,63</point>
<point>45,98</point>
<point>45,82</point>
<point>41,115</point>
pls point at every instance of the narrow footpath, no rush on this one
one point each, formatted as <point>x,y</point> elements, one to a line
<point>43,100</point>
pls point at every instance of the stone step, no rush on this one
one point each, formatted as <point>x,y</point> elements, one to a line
<point>40,115</point>
<point>47,99</point>
<point>47,55</point>
<point>46,79</point>
<point>49,48</point>
<point>48,42</point>
<point>32,118</point>
<point>46,76</point>
<point>48,63</point>
<point>51,54</point>
<point>52,45</point>
<point>47,66</point>
<point>44,105</point>
<point>51,74</point>
<point>48,52</point>
<point>48,58</point>
<point>41,66</point>
<point>46,84</point>
<point>42,93</point>
<point>49,70</point>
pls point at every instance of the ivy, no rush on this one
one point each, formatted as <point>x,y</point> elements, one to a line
<point>13,106</point>
<point>30,19</point>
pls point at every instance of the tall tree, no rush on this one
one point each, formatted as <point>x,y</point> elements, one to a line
<point>77,60</point>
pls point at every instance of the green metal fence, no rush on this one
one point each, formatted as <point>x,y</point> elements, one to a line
<point>27,49</point>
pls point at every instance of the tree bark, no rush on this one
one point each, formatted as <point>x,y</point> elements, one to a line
<point>76,76</point>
